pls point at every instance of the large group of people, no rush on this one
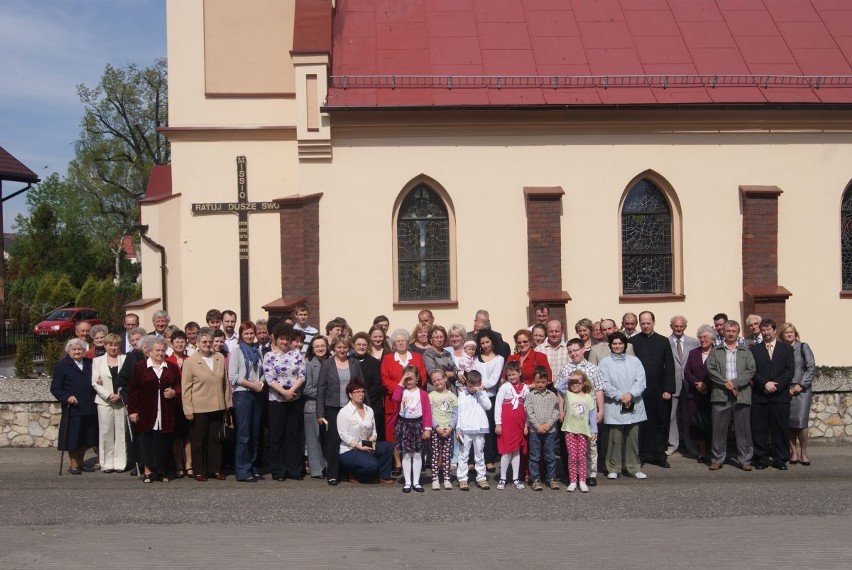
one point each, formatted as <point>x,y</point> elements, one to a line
<point>280,397</point>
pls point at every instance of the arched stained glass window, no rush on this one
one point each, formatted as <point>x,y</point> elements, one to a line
<point>423,246</point>
<point>846,238</point>
<point>646,241</point>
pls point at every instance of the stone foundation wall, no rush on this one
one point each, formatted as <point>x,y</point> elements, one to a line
<point>31,424</point>
<point>831,418</point>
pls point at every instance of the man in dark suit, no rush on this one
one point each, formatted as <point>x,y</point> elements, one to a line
<point>770,400</point>
<point>131,321</point>
<point>655,353</point>
<point>122,383</point>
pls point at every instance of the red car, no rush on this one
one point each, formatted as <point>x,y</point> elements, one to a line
<point>61,322</point>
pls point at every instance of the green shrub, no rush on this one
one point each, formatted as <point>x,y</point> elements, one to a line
<point>53,352</point>
<point>24,361</point>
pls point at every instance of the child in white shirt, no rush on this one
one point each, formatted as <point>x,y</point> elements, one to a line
<point>471,429</point>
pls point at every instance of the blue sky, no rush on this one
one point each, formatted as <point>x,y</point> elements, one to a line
<point>47,48</point>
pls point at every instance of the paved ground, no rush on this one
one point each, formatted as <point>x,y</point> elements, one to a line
<point>684,516</point>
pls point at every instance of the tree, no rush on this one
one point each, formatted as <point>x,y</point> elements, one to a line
<point>77,221</point>
<point>119,144</point>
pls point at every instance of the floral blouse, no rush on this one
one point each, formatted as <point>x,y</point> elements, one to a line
<point>284,369</point>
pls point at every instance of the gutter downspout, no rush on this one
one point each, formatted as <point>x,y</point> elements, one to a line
<point>143,230</point>
<point>13,194</point>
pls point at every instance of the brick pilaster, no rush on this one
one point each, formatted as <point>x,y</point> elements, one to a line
<point>300,235</point>
<point>762,294</point>
<point>544,250</point>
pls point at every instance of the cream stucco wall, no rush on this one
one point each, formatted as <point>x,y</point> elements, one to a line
<point>485,177</point>
<point>204,249</point>
<point>188,105</point>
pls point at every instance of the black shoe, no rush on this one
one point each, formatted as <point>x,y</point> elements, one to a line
<point>592,481</point>
<point>396,472</point>
<point>280,479</point>
<point>332,482</point>
<point>249,480</point>
<point>761,466</point>
<point>665,464</point>
<point>418,488</point>
<point>780,466</point>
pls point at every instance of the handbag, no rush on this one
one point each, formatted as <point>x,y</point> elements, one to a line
<point>228,431</point>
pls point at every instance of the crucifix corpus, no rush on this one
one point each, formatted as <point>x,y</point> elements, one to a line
<point>242,208</point>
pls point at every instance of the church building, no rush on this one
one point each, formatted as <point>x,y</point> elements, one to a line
<point>599,156</point>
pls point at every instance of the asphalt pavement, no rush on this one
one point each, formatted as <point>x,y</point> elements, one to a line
<point>684,516</point>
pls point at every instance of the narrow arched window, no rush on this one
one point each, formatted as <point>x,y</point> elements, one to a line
<point>846,238</point>
<point>423,246</point>
<point>646,240</point>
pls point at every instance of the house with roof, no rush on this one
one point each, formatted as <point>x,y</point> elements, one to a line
<point>598,156</point>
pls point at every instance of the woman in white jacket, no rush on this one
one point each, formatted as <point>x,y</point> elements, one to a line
<point>112,416</point>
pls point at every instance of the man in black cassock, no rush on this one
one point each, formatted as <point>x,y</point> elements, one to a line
<point>655,353</point>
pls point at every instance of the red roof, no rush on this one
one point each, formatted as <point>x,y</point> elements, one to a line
<point>128,247</point>
<point>13,170</point>
<point>159,184</point>
<point>398,53</point>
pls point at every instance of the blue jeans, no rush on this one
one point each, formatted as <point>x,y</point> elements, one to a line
<point>548,441</point>
<point>247,415</point>
<point>365,466</point>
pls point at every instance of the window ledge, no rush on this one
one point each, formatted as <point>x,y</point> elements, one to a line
<point>846,294</point>
<point>434,304</point>
<point>651,297</point>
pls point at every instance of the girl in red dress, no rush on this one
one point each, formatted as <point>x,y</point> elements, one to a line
<point>511,424</point>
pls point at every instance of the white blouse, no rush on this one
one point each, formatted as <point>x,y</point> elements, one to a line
<point>352,428</point>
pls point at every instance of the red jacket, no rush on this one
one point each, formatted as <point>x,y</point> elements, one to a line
<point>143,391</point>
<point>528,366</point>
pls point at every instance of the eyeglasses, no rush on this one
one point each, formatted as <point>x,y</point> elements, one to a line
<point>523,342</point>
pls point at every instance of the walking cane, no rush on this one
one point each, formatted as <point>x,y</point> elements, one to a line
<point>130,433</point>
<point>64,443</point>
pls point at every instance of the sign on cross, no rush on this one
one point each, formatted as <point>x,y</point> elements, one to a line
<point>242,207</point>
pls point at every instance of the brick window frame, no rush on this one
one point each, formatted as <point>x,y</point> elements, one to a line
<point>452,300</point>
<point>675,212</point>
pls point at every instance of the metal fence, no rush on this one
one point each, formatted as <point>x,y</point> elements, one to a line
<point>17,333</point>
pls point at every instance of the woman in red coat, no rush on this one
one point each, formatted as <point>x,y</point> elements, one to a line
<point>150,404</point>
<point>527,358</point>
<point>393,365</point>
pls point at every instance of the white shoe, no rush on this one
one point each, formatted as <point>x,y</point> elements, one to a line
<point>640,475</point>
<point>518,484</point>
<point>447,485</point>
<point>501,485</point>
<point>571,488</point>
<point>612,475</point>
<point>583,487</point>
<point>436,485</point>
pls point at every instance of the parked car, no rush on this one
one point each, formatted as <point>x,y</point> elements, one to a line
<point>60,323</point>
